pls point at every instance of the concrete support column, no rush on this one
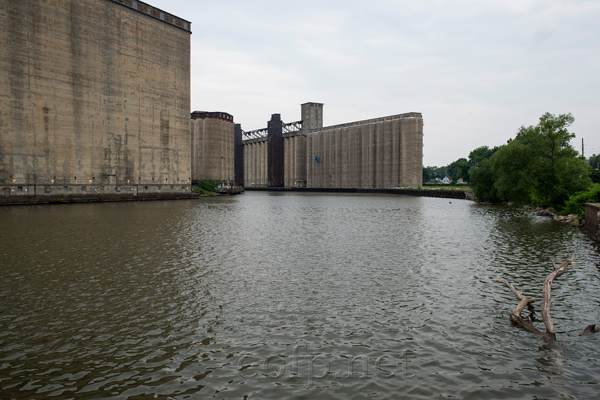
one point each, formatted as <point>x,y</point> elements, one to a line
<point>301,166</point>
<point>380,155</point>
<point>245,159</point>
<point>395,149</point>
<point>265,160</point>
<point>387,154</point>
<point>287,161</point>
<point>322,166</point>
<point>412,152</point>
<point>345,166</point>
<point>372,170</point>
<point>259,164</point>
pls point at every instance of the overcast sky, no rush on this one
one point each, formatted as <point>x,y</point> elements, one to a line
<point>477,70</point>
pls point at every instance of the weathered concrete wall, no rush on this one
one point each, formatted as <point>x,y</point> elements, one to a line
<point>592,219</point>
<point>411,157</point>
<point>213,148</point>
<point>379,153</point>
<point>373,154</point>
<point>312,116</point>
<point>295,160</point>
<point>255,163</point>
<point>95,98</point>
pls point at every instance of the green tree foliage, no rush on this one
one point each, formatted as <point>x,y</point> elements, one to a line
<point>595,175</point>
<point>576,202</point>
<point>513,169</point>
<point>206,187</point>
<point>594,161</point>
<point>459,169</point>
<point>427,174</point>
<point>480,154</point>
<point>539,167</point>
<point>432,173</point>
<point>481,175</point>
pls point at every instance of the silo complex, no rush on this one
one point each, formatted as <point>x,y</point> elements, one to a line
<point>213,147</point>
<point>95,104</point>
<point>378,153</point>
<point>95,99</point>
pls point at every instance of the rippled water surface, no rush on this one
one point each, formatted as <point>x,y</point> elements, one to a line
<point>299,296</point>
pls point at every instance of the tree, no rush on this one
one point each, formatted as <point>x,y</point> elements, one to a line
<point>432,173</point>
<point>427,174</point>
<point>480,154</point>
<point>459,169</point>
<point>594,161</point>
<point>481,176</point>
<point>539,167</point>
<point>514,170</point>
<point>595,175</point>
<point>576,202</point>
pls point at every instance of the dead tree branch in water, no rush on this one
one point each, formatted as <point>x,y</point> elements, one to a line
<point>515,315</point>
<point>550,335</point>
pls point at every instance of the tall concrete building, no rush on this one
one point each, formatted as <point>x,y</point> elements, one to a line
<point>213,147</point>
<point>255,161</point>
<point>378,153</point>
<point>94,99</point>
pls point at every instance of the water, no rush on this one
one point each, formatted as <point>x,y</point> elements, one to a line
<point>299,296</point>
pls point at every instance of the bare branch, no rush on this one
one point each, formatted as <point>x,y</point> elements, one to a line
<point>512,288</point>
<point>550,335</point>
<point>591,328</point>
<point>515,314</point>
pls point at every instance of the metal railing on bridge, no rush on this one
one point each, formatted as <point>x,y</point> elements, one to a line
<point>292,127</point>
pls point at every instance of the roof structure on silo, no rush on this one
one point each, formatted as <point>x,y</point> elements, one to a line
<point>156,13</point>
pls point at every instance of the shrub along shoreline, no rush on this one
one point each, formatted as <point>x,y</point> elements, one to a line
<point>538,168</point>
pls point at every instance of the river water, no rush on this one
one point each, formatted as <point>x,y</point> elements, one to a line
<point>283,295</point>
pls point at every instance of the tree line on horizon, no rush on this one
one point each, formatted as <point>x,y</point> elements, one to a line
<point>538,167</point>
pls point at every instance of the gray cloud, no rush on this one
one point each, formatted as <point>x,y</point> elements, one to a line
<point>476,70</point>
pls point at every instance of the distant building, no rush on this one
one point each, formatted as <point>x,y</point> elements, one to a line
<point>95,99</point>
<point>378,153</point>
<point>213,147</point>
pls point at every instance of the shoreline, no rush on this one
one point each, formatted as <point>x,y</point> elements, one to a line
<point>101,198</point>
<point>104,198</point>
<point>447,194</point>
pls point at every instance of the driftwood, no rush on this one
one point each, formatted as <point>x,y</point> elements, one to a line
<point>550,335</point>
<point>591,328</point>
<point>515,315</point>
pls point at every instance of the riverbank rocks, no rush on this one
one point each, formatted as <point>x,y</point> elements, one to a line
<point>570,219</point>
